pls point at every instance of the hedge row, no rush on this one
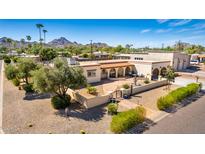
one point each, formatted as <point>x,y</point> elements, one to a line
<point>124,121</point>
<point>177,95</point>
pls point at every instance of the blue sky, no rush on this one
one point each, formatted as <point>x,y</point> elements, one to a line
<point>138,32</point>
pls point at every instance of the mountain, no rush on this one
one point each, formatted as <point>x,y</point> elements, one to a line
<point>60,42</point>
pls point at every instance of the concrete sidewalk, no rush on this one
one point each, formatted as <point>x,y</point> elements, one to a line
<point>1,95</point>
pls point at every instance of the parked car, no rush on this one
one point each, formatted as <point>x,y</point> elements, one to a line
<point>194,62</point>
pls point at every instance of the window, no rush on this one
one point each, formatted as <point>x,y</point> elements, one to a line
<point>138,58</point>
<point>91,73</point>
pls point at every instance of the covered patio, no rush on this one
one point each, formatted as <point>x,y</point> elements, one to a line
<point>115,70</point>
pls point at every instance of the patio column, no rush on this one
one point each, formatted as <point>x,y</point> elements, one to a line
<point>116,72</point>
<point>124,71</point>
<point>108,73</point>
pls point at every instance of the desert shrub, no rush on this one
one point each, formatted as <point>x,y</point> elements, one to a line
<point>126,86</point>
<point>124,121</point>
<point>146,81</point>
<point>16,82</point>
<point>11,72</point>
<point>92,90</point>
<point>7,60</point>
<point>193,88</point>
<point>28,87</point>
<point>82,132</point>
<point>165,102</point>
<point>60,102</point>
<point>177,95</point>
<point>112,108</point>
<point>15,59</point>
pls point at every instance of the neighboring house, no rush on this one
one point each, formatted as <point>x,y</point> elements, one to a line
<point>178,60</point>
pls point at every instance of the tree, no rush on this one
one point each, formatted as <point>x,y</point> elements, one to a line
<point>39,26</point>
<point>22,42</point>
<point>9,41</point>
<point>170,76</point>
<point>25,67</point>
<point>11,72</point>
<point>58,79</point>
<point>44,34</point>
<point>119,48</point>
<point>47,54</point>
<point>28,38</point>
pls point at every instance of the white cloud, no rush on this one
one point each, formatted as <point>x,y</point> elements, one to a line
<point>163,30</point>
<point>161,21</point>
<point>145,31</point>
<point>199,32</point>
<point>180,22</point>
<point>199,26</point>
<point>183,30</point>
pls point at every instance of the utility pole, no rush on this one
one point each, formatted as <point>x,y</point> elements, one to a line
<point>91,47</point>
<point>162,45</point>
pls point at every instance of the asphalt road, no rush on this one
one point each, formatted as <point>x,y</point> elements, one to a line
<point>187,120</point>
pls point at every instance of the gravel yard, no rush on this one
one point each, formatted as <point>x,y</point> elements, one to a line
<point>25,115</point>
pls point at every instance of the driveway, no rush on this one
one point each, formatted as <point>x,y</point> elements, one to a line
<point>187,120</point>
<point>183,81</point>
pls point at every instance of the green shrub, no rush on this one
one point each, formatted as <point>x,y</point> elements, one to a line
<point>112,108</point>
<point>60,102</point>
<point>126,86</point>
<point>7,60</point>
<point>15,59</point>
<point>92,90</point>
<point>11,72</point>
<point>177,95</point>
<point>146,81</point>
<point>165,102</point>
<point>124,121</point>
<point>16,82</point>
<point>28,87</point>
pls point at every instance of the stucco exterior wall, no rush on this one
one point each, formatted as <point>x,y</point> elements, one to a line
<point>94,79</point>
<point>143,69</point>
<point>140,89</point>
<point>177,60</point>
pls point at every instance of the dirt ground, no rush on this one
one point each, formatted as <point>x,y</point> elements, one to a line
<point>34,114</point>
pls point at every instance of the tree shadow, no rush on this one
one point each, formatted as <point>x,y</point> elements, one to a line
<point>191,69</point>
<point>33,96</point>
<point>77,111</point>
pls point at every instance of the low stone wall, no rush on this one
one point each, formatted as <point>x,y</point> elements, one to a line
<point>89,102</point>
<point>139,89</point>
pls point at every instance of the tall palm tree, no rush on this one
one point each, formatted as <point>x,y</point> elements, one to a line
<point>44,33</point>
<point>39,26</point>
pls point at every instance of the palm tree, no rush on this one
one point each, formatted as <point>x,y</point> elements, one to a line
<point>39,26</point>
<point>28,37</point>
<point>44,33</point>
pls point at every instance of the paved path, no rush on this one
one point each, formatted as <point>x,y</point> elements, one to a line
<point>1,95</point>
<point>187,120</point>
<point>182,81</point>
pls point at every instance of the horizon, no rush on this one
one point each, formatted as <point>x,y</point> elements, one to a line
<point>139,32</point>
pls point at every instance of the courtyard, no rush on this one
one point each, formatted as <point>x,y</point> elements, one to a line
<point>33,113</point>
